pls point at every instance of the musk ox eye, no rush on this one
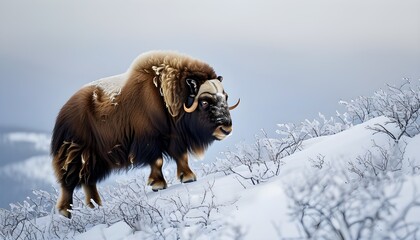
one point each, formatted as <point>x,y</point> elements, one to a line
<point>204,104</point>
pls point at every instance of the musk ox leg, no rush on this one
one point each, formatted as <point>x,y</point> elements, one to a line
<point>67,164</point>
<point>184,172</point>
<point>65,201</point>
<point>91,193</point>
<point>156,179</point>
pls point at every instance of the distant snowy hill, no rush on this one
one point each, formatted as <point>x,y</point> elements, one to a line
<point>24,164</point>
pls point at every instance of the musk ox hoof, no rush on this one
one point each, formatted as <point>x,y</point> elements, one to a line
<point>157,185</point>
<point>91,205</point>
<point>187,178</point>
<point>65,213</point>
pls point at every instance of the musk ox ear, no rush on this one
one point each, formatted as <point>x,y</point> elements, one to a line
<point>192,85</point>
<point>220,78</point>
<point>193,90</point>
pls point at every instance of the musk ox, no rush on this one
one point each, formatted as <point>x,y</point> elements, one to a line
<point>165,105</point>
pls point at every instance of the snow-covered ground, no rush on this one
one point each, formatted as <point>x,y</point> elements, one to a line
<point>238,208</point>
<point>323,179</point>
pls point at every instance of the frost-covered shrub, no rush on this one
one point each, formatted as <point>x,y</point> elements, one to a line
<point>20,222</point>
<point>365,200</point>
<point>372,199</point>
<point>151,215</point>
<point>380,160</point>
<point>262,159</point>
<point>323,126</point>
<point>358,110</point>
<point>400,104</point>
<point>335,206</point>
<point>254,160</point>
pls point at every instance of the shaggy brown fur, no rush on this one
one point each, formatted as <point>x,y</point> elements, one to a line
<point>100,130</point>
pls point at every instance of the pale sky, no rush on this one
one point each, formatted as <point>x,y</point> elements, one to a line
<point>286,60</point>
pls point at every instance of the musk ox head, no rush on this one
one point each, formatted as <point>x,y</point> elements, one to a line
<point>192,91</point>
<point>208,105</point>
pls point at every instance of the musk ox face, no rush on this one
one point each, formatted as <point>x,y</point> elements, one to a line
<point>209,107</point>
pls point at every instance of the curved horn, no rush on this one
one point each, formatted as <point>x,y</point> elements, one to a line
<point>192,108</point>
<point>234,106</point>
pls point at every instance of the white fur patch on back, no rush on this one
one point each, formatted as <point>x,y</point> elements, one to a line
<point>111,86</point>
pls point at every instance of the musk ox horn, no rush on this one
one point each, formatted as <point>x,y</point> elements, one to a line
<point>192,108</point>
<point>234,106</point>
<point>209,86</point>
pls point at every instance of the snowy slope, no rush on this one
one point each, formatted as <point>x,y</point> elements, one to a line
<point>223,205</point>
